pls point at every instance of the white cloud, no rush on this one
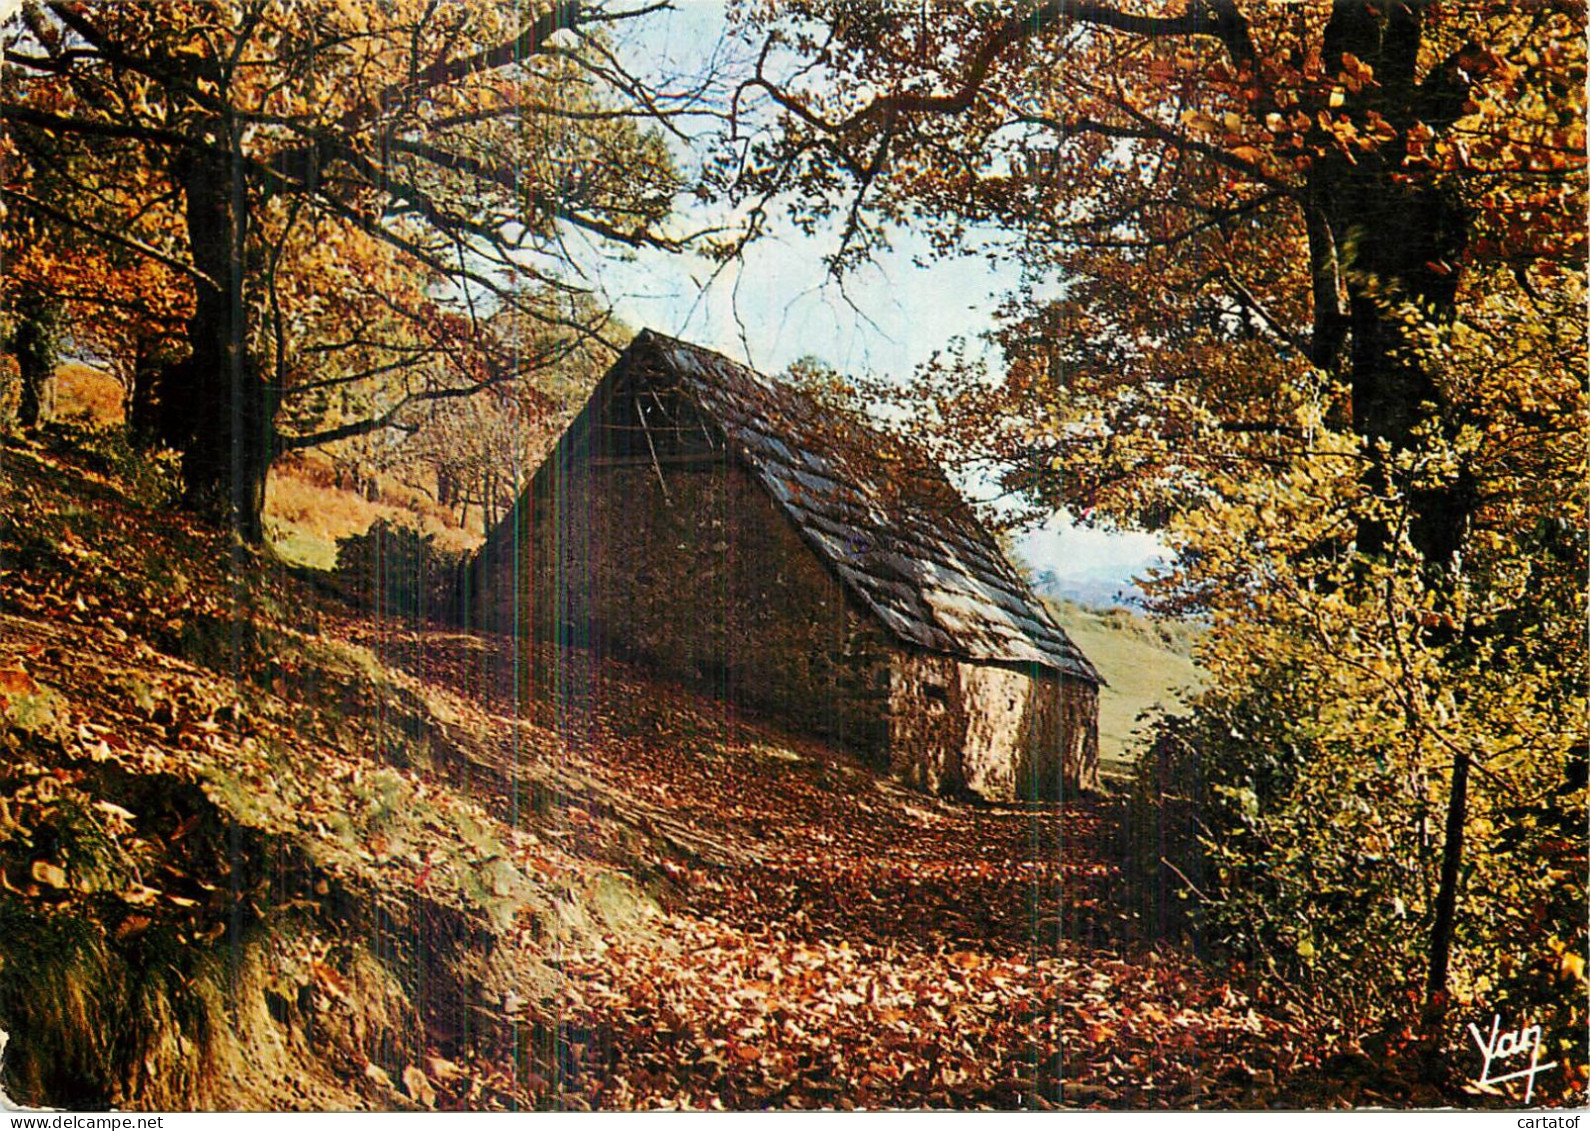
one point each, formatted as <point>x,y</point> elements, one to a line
<point>1073,552</point>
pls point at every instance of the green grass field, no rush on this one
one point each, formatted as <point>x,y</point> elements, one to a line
<point>1145,661</point>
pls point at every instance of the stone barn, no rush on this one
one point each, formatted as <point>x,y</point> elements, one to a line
<point>735,534</point>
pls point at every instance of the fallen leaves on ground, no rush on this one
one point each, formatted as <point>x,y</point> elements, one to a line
<point>823,936</point>
<point>853,944</point>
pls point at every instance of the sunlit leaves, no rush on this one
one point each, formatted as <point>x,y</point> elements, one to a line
<point>394,174</point>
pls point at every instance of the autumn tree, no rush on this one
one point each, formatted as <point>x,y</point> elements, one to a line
<point>480,451</point>
<point>1303,287</point>
<point>123,310</point>
<point>454,146</point>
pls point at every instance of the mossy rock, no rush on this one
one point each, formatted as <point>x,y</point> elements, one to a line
<point>619,902</point>
<point>32,709</point>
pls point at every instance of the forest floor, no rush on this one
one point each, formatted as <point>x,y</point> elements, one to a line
<point>260,849</point>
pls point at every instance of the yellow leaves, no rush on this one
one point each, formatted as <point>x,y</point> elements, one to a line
<point>117,819</point>
<point>51,875</point>
<point>439,1068</point>
<point>745,1052</point>
<point>140,895</point>
<point>355,14</point>
<point>418,1087</point>
<point>329,981</point>
<point>1160,71</point>
<point>1355,68</point>
<point>1377,128</point>
<point>16,683</point>
<point>1570,966</point>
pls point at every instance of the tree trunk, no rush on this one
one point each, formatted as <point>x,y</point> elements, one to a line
<point>1446,894</point>
<point>34,347</point>
<point>221,410</point>
<point>143,405</point>
<point>1393,244</point>
<point>488,499</point>
<point>32,385</point>
<point>1399,245</point>
<point>1394,394</point>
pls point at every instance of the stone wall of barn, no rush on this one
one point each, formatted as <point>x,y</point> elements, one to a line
<point>999,732</point>
<point>712,586</point>
<point>708,584</point>
<point>1012,720</point>
<point>927,721</point>
<point>1079,734</point>
<point>1061,752</point>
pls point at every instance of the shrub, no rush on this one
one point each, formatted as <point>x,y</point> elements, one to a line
<point>10,395</point>
<point>150,477</point>
<point>1281,844</point>
<point>1195,815</point>
<point>399,573</point>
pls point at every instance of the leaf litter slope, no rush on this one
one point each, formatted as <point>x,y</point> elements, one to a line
<point>819,936</point>
<point>828,938</point>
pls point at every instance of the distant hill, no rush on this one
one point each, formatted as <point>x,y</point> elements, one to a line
<point>1095,591</point>
<point>1145,660</point>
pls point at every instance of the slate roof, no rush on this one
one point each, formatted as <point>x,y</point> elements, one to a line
<point>877,511</point>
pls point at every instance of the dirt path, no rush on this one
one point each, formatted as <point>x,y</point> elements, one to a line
<point>851,943</point>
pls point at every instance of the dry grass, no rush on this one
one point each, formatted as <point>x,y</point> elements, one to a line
<point>306,513</point>
<point>83,395</point>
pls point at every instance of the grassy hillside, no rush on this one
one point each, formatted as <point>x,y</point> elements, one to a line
<point>1148,663</point>
<point>306,511</point>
